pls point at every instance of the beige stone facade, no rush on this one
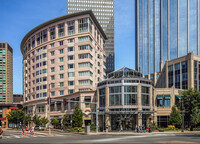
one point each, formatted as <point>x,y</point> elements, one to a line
<point>62,57</point>
<point>128,100</point>
<point>184,72</point>
<point>6,72</point>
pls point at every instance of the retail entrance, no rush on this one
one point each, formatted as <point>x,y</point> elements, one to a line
<point>125,122</point>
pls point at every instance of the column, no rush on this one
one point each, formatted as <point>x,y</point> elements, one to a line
<point>76,26</point>
<point>108,121</point>
<point>139,101</point>
<point>55,106</point>
<point>62,107</point>
<point>107,98</point>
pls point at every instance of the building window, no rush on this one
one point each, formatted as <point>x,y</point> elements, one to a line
<point>61,84</point>
<point>184,75</point>
<point>163,100</point>
<point>70,49</point>
<point>85,73</point>
<point>52,32</point>
<point>170,76</point>
<point>52,45</point>
<point>62,67</point>
<point>70,83</point>
<point>84,56</point>
<point>145,96</point>
<point>85,82</point>
<point>61,76</point>
<point>70,40</point>
<point>85,38</point>
<point>85,47</point>
<point>61,43</point>
<point>52,77</point>
<point>83,25</point>
<point>52,53</point>
<point>71,27</point>
<point>52,85</point>
<point>71,91</point>
<point>86,64</point>
<point>70,66</point>
<point>52,61</point>
<point>70,57</point>
<point>61,51</point>
<point>61,30</point>
<point>62,92</point>
<point>71,74</point>
<point>61,59</point>
<point>115,97</point>
<point>52,69</point>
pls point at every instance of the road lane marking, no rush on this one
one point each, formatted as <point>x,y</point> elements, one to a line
<point>128,137</point>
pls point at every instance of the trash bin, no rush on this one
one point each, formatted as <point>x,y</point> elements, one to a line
<point>87,129</point>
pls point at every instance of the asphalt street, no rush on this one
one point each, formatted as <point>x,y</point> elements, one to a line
<point>15,137</point>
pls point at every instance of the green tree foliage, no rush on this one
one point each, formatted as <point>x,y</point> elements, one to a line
<point>44,121</point>
<point>175,117</point>
<point>65,119</point>
<point>16,116</point>
<point>54,122</point>
<point>191,102</point>
<point>77,120</point>
<point>27,118</point>
<point>36,120</point>
<point>195,116</point>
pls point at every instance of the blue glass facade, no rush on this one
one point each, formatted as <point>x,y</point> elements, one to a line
<point>166,29</point>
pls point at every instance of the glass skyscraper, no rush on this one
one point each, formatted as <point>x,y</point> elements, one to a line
<point>104,13</point>
<point>165,29</point>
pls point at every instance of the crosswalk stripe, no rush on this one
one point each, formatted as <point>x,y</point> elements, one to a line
<point>19,136</point>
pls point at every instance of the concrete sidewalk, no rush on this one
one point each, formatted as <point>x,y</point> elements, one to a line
<point>146,133</point>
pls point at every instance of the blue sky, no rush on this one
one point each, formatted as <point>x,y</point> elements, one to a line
<point>18,17</point>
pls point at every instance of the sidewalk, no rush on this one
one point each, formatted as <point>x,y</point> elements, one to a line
<point>133,133</point>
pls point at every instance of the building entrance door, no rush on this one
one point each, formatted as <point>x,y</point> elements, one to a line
<point>123,122</point>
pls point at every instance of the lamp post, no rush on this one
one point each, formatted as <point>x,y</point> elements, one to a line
<point>49,103</point>
<point>182,115</point>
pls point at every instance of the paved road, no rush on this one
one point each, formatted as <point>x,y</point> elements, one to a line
<point>12,137</point>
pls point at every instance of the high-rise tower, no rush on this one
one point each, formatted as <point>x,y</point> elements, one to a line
<point>165,29</point>
<point>104,12</point>
<point>6,74</point>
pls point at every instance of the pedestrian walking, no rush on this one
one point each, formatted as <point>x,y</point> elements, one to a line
<point>144,128</point>
<point>22,128</point>
<point>32,131</point>
<point>140,128</point>
<point>149,128</point>
<point>1,131</point>
<point>26,130</point>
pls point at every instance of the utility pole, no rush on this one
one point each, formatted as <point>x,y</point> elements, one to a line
<point>182,115</point>
<point>49,101</point>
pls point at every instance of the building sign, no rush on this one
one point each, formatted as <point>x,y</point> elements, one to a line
<point>87,111</point>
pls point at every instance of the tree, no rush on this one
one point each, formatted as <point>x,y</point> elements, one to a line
<point>44,121</point>
<point>191,101</point>
<point>195,116</point>
<point>55,122</point>
<point>16,116</point>
<point>65,119</point>
<point>27,119</point>
<point>36,120</point>
<point>77,120</point>
<point>175,117</point>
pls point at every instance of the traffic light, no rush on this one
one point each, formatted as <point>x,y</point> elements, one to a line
<point>65,100</point>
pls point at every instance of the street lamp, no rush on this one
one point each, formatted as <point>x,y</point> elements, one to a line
<point>182,115</point>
